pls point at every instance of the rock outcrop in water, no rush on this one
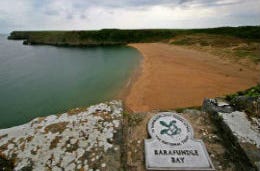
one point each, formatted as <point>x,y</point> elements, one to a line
<point>89,139</point>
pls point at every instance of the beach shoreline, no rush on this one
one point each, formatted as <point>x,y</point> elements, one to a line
<point>171,77</point>
<point>134,76</point>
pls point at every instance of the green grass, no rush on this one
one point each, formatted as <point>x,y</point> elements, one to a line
<point>185,41</point>
<point>221,38</point>
<point>248,54</point>
<point>116,36</point>
<point>243,53</point>
<point>221,45</point>
<point>251,92</point>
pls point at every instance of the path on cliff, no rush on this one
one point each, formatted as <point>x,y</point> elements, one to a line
<point>174,77</point>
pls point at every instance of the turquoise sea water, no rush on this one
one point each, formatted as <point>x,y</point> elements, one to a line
<point>41,80</point>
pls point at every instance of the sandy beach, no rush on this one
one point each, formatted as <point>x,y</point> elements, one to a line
<point>175,77</point>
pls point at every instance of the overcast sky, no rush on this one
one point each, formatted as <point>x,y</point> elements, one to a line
<point>97,14</point>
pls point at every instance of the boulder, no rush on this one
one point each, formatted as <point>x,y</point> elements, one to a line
<point>213,106</point>
<point>239,129</point>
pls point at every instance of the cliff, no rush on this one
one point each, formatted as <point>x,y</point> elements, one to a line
<point>90,38</point>
<point>121,37</point>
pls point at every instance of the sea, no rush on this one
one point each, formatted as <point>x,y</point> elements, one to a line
<point>40,80</point>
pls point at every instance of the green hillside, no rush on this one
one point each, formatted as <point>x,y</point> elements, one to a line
<point>121,37</point>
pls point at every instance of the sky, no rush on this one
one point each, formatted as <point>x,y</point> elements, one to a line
<point>125,14</point>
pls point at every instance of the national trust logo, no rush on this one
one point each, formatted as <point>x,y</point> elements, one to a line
<point>170,128</point>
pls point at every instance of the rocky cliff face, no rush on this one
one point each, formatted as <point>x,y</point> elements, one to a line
<point>84,140</point>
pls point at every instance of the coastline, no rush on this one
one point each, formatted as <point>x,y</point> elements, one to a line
<point>171,77</point>
<point>134,76</point>
<point>95,75</point>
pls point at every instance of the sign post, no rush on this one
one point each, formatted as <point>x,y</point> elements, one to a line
<point>172,146</point>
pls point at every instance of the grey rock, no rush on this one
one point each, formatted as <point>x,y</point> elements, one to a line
<point>241,127</point>
<point>214,106</point>
<point>240,132</point>
<point>247,136</point>
<point>33,146</point>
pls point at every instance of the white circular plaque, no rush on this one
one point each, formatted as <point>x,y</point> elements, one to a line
<point>170,128</point>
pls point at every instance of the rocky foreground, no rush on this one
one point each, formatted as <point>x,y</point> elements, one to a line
<point>84,140</point>
<point>239,128</point>
<point>102,138</point>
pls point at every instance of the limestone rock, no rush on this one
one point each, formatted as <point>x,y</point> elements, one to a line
<point>241,129</point>
<point>65,142</point>
<point>216,105</point>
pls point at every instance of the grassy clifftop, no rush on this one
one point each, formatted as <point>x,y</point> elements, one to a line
<point>224,46</point>
<point>116,36</point>
<point>91,38</point>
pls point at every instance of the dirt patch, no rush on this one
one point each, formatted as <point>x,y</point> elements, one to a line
<point>55,142</point>
<point>59,127</point>
<point>77,110</point>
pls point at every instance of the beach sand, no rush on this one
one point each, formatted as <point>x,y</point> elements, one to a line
<point>174,77</point>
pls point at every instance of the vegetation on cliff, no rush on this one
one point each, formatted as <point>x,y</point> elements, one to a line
<point>251,92</point>
<point>248,101</point>
<point>120,37</point>
<point>225,46</point>
<point>91,38</point>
